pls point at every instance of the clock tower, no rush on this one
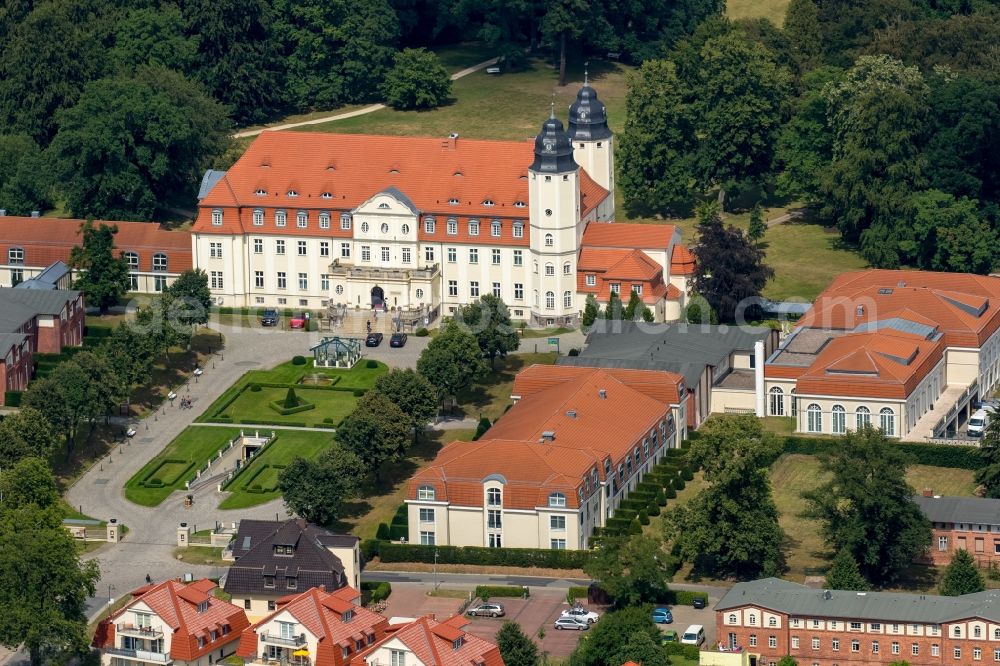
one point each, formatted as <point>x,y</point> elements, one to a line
<point>592,142</point>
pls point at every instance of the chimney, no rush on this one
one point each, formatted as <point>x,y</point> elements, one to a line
<point>928,492</point>
<point>453,140</point>
<point>571,413</point>
<point>603,393</point>
<point>35,213</point>
<point>3,212</point>
<point>548,436</point>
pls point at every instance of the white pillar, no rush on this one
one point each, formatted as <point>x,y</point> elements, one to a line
<point>758,353</point>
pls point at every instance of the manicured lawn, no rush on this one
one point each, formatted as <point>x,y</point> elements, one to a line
<point>520,99</point>
<point>491,396</point>
<point>177,463</point>
<point>333,405</point>
<point>289,445</point>
<point>772,10</point>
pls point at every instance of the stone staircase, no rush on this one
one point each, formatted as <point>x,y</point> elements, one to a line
<point>354,324</point>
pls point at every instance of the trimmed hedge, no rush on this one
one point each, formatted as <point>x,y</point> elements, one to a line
<point>13,398</point>
<point>576,592</point>
<point>935,455</point>
<point>370,548</point>
<point>399,528</point>
<point>684,597</point>
<point>513,557</point>
<point>487,591</point>
<point>689,652</point>
<point>376,592</point>
<point>278,406</point>
<point>271,422</point>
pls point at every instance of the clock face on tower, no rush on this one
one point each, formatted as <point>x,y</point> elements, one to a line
<point>549,146</point>
<point>582,114</point>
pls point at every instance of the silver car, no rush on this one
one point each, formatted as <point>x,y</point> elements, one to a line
<point>570,622</point>
<point>491,609</point>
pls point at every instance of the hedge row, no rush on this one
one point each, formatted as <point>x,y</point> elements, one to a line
<point>935,455</point>
<point>576,592</point>
<point>277,424</point>
<point>375,592</point>
<point>13,398</point>
<point>689,652</point>
<point>684,597</point>
<point>512,557</point>
<point>488,591</point>
<point>279,406</point>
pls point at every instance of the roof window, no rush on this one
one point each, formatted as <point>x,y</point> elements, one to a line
<point>326,195</point>
<point>519,204</point>
<point>453,201</point>
<point>261,192</point>
<point>488,202</point>
<point>293,193</point>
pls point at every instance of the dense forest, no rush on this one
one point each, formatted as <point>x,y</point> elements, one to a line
<point>114,108</point>
<point>882,115</point>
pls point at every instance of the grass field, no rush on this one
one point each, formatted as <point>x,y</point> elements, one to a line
<point>289,445</point>
<point>333,405</point>
<point>488,106</point>
<point>772,10</point>
<point>491,397</point>
<point>192,447</point>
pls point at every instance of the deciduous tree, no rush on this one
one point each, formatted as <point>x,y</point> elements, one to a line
<point>988,474</point>
<point>488,319</point>
<point>317,489</point>
<point>804,33</point>
<point>948,234</point>
<point>609,635</point>
<point>102,273</point>
<point>844,573</point>
<point>516,649</point>
<point>417,81</point>
<point>632,570</point>
<point>65,396</point>
<point>377,431</point>
<point>961,576</point>
<point>24,176</point>
<point>415,396</point>
<point>26,433</point>
<point>452,360</point>
<point>28,482</point>
<point>640,648</point>
<point>192,296</point>
<point>866,507</point>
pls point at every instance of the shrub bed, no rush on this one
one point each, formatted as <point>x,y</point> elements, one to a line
<point>375,592</point>
<point>279,406</point>
<point>576,592</point>
<point>167,473</point>
<point>513,557</point>
<point>689,652</point>
<point>488,591</point>
<point>13,398</point>
<point>264,479</point>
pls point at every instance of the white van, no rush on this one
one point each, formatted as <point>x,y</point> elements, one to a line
<point>693,635</point>
<point>978,423</point>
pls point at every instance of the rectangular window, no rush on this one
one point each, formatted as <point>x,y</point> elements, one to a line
<point>427,515</point>
<point>302,220</point>
<point>452,227</point>
<point>453,287</point>
<point>795,642</point>
<point>473,228</point>
<point>133,280</point>
<point>303,282</point>
<point>815,644</point>
<point>406,255</point>
<point>324,282</point>
<point>835,644</point>
<point>427,539</point>
<point>385,254</point>
<point>591,280</point>
<point>397,658</point>
<point>855,626</point>
<point>557,522</point>
<point>495,229</point>
<point>495,257</point>
<point>429,225</point>
<point>428,253</point>
<point>302,248</point>
<point>452,255</point>
<point>518,258</point>
<point>637,288</point>
<point>615,288</point>
<point>557,544</point>
<point>279,246</point>
<point>495,540</point>
<point>915,649</point>
<point>496,289</point>
<point>345,222</point>
<point>772,641</point>
<point>366,253</point>
<point>216,279</point>
<point>324,220</point>
<point>215,250</point>
<point>159,283</point>
<point>518,291</point>
<point>473,255</point>
<point>894,647</point>
<point>874,647</point>
<point>324,248</point>
<point>268,581</point>
<point>258,246</point>
<point>518,230</point>
<point>345,250</point>
<point>494,519</point>
<point>935,650</point>
<point>474,289</point>
<point>282,281</point>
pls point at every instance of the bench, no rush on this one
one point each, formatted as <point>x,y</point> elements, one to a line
<point>492,70</point>
<point>614,55</point>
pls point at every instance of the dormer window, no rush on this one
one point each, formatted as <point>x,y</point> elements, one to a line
<point>452,227</point>
<point>284,550</point>
<point>518,230</point>
<point>280,218</point>
<point>557,500</point>
<point>457,643</point>
<point>345,221</point>
<point>291,583</point>
<point>217,217</point>
<point>302,219</point>
<point>261,192</point>
<point>383,206</point>
<point>293,193</point>
<point>452,202</point>
<point>326,195</point>
<point>519,204</point>
<point>203,606</point>
<point>347,616</point>
<point>488,202</point>
<point>269,581</point>
<point>473,227</point>
<point>426,493</point>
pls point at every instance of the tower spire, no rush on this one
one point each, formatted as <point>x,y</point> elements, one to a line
<point>552,109</point>
<point>585,76</point>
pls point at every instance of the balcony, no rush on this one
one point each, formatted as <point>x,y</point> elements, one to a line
<point>293,641</point>
<point>374,273</point>
<point>140,655</point>
<point>139,632</point>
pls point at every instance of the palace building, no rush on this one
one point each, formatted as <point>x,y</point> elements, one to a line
<point>316,220</point>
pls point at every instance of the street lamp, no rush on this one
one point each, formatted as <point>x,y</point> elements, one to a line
<point>111,600</point>
<point>436,581</point>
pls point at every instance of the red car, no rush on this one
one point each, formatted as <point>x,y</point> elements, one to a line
<point>299,320</point>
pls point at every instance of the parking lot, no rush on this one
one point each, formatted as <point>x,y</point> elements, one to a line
<point>685,616</point>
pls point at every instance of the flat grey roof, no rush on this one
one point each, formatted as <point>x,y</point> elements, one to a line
<point>208,181</point>
<point>8,340</point>
<point>801,601</point>
<point>978,510</point>
<point>682,348</point>
<point>49,302</point>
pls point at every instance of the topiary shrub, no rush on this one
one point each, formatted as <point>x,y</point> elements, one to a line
<point>643,518</point>
<point>574,352</point>
<point>382,533</point>
<point>635,527</point>
<point>422,332</point>
<point>328,420</point>
<point>484,425</point>
<point>686,473</point>
<point>669,492</point>
<point>255,388</point>
<point>290,399</point>
<point>661,498</point>
<point>298,360</point>
<point>653,509</point>
<point>679,483</point>
<point>370,364</point>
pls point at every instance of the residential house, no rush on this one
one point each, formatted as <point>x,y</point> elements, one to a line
<point>275,559</point>
<point>171,623</point>
<point>427,642</point>
<point>776,617</point>
<point>556,465</point>
<point>313,628</point>
<point>962,523</point>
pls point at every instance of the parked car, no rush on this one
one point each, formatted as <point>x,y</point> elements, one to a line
<point>662,615</point>
<point>669,637</point>
<point>978,423</point>
<point>298,320</point>
<point>693,635</point>
<point>397,340</point>
<point>581,613</point>
<point>569,622</point>
<point>490,609</point>
<point>698,602</point>
<point>373,340</point>
<point>269,317</point>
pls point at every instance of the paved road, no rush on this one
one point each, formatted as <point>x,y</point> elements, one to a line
<point>357,112</point>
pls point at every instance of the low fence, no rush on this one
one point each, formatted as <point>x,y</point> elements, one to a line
<point>952,441</point>
<point>241,464</point>
<point>208,465</point>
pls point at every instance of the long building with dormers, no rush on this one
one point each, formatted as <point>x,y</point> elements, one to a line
<point>315,220</point>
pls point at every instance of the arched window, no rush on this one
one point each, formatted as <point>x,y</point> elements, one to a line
<point>132,259</point>
<point>732,618</point>
<point>429,225</point>
<point>772,622</point>
<point>957,632</point>
<point>567,268</point>
<point>887,421</point>
<point>862,417</point>
<point>160,262</point>
<point>777,401</point>
<point>557,499</point>
<point>977,632</point>
<point>258,217</point>
<point>550,300</point>
<point>814,418</point>
<point>839,420</point>
<point>794,404</point>
<point>280,218</point>
<point>752,619</point>
<point>301,219</point>
<point>550,269</point>
<point>217,217</point>
<point>493,497</point>
<point>426,493</point>
<point>549,240</point>
<point>996,634</point>
<point>567,299</point>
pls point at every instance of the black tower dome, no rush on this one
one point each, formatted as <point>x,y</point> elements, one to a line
<point>588,120</point>
<point>553,148</point>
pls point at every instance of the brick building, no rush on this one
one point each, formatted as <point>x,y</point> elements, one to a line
<point>969,523</point>
<point>772,618</point>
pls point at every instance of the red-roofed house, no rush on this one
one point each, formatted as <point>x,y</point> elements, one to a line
<point>427,642</point>
<point>314,628</point>
<point>424,224</point>
<point>906,351</point>
<point>171,623</point>
<point>556,465</point>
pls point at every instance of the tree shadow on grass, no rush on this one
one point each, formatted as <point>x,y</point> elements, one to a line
<point>919,578</point>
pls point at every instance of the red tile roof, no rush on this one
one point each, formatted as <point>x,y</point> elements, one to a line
<point>47,239</point>
<point>681,261</point>
<point>433,643</point>
<point>322,614</point>
<point>632,236</point>
<point>589,429</point>
<point>623,266</point>
<point>177,605</point>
